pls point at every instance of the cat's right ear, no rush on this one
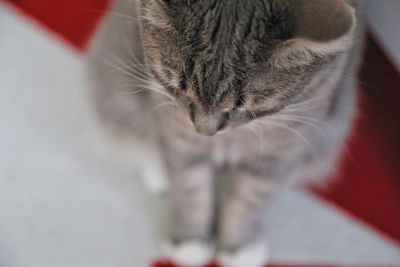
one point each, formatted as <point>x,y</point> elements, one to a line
<point>323,20</point>
<point>322,25</point>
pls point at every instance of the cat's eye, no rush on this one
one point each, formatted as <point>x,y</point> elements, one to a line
<point>240,100</point>
<point>183,83</point>
<point>234,115</point>
<point>191,108</point>
<point>171,90</point>
<point>187,103</point>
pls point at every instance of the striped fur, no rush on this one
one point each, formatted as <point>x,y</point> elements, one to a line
<point>252,103</point>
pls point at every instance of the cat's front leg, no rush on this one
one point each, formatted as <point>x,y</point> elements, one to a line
<point>192,214</point>
<point>241,235</point>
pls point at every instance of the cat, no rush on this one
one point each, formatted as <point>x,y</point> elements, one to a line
<point>238,97</point>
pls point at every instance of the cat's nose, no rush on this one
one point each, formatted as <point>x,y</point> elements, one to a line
<point>207,125</point>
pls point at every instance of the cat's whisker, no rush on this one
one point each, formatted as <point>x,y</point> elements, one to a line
<point>123,70</point>
<point>155,86</point>
<point>131,69</point>
<point>303,108</point>
<point>305,122</point>
<point>139,72</point>
<point>139,62</point>
<point>346,76</point>
<point>253,128</point>
<point>134,92</point>
<point>271,121</point>
<point>163,105</point>
<point>115,14</point>
<point>308,103</point>
<point>300,117</point>
<point>136,63</point>
<point>252,112</point>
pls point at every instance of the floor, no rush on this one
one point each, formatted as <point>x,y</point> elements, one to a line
<point>64,203</point>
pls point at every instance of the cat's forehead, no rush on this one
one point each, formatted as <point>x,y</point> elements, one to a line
<point>236,28</point>
<point>221,40</point>
<point>231,16</point>
<point>222,46</point>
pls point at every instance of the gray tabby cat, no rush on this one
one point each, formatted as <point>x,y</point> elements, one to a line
<point>242,96</point>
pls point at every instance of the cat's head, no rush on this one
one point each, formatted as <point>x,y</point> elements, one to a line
<point>227,62</point>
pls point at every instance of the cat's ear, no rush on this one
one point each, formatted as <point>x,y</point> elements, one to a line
<point>160,13</point>
<point>155,12</point>
<point>169,3</point>
<point>165,3</point>
<point>322,24</point>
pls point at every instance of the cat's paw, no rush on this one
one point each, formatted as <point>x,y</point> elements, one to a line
<point>193,253</point>
<point>254,255</point>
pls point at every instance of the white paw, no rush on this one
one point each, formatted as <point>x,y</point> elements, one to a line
<point>255,255</point>
<point>190,253</point>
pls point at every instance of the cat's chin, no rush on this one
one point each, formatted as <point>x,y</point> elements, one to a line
<point>228,129</point>
<point>222,132</point>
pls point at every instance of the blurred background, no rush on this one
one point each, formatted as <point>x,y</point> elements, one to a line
<point>64,202</point>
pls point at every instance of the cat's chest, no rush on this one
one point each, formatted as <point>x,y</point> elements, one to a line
<point>248,144</point>
<point>232,149</point>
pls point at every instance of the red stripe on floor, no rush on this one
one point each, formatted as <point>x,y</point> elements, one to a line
<point>368,185</point>
<point>169,264</point>
<point>74,20</point>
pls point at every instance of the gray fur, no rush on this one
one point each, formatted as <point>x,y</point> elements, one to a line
<point>282,94</point>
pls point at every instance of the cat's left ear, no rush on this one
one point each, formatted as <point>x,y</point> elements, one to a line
<point>172,3</point>
<point>155,12</point>
<point>158,12</point>
<point>323,24</point>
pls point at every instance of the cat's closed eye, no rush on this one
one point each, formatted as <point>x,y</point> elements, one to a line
<point>183,83</point>
<point>234,115</point>
<point>188,103</point>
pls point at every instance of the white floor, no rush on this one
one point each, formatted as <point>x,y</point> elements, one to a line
<point>63,203</point>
